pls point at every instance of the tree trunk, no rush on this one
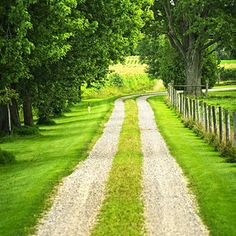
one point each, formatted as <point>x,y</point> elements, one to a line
<point>80,93</point>
<point>27,109</point>
<point>15,118</point>
<point>4,124</point>
<point>193,70</point>
<point>5,127</point>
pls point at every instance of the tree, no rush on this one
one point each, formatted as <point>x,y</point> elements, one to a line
<point>51,30</point>
<point>14,45</point>
<point>193,27</point>
<point>165,62</point>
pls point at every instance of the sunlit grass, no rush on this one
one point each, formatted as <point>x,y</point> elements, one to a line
<point>226,99</point>
<point>42,161</point>
<point>212,179</point>
<point>228,64</point>
<point>122,211</point>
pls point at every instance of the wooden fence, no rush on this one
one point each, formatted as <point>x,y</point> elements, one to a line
<point>214,120</point>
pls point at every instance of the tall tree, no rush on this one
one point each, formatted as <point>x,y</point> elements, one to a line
<point>192,27</point>
<point>50,33</point>
<point>14,45</point>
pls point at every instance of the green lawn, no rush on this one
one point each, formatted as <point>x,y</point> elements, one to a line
<point>42,161</point>
<point>212,179</point>
<point>226,99</point>
<point>228,62</point>
<point>122,211</point>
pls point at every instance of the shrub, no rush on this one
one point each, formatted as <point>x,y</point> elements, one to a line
<point>45,121</point>
<point>27,130</point>
<point>228,74</point>
<point>116,80</point>
<point>6,157</point>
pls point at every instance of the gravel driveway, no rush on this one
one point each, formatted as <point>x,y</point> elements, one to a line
<point>169,207</point>
<point>80,196</point>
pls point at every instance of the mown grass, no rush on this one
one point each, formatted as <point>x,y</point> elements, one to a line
<point>42,161</point>
<point>226,99</point>
<point>212,179</point>
<point>228,62</point>
<point>131,84</point>
<point>122,211</point>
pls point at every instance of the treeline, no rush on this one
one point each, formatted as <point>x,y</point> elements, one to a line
<point>50,48</point>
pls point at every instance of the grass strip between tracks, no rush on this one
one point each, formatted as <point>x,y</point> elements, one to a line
<point>122,211</point>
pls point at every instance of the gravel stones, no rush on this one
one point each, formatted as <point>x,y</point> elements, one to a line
<point>169,207</point>
<point>81,194</point>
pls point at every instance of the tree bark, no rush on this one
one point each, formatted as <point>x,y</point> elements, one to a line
<point>4,124</point>
<point>193,70</point>
<point>80,93</point>
<point>15,118</point>
<point>27,110</point>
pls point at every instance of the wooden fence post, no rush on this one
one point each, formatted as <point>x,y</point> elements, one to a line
<point>181,103</point>
<point>227,127</point>
<point>210,118</point>
<point>203,114</point>
<point>206,116</point>
<point>214,119</point>
<point>198,111</point>
<point>207,86</point>
<point>187,107</point>
<point>220,124</point>
<point>194,110</point>
<point>234,120</point>
<point>191,108</point>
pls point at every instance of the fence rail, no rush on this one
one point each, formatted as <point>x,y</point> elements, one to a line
<point>214,120</point>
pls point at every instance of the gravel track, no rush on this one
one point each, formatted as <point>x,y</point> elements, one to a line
<point>81,194</point>
<point>169,207</point>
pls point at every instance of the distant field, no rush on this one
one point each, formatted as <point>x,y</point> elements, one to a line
<point>132,66</point>
<point>129,69</point>
<point>132,60</point>
<point>228,64</point>
<point>226,99</point>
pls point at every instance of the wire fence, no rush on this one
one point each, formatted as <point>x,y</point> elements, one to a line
<point>215,120</point>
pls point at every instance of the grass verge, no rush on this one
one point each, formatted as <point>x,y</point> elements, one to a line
<point>226,99</point>
<point>42,161</point>
<point>122,211</point>
<point>212,179</point>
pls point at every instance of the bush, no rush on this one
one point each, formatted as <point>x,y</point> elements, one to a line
<point>27,130</point>
<point>228,74</point>
<point>6,157</point>
<point>45,121</point>
<point>116,81</point>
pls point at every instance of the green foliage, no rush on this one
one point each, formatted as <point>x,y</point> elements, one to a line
<point>6,157</point>
<point>165,62</point>
<point>26,130</point>
<point>194,29</point>
<point>131,84</point>
<point>115,80</point>
<point>228,74</point>
<point>49,49</point>
<point>226,99</point>
<point>6,95</point>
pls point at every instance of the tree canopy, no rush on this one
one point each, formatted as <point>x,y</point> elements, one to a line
<point>194,29</point>
<point>49,48</point>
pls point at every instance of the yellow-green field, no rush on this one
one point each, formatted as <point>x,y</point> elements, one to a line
<point>131,66</point>
<point>228,64</point>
